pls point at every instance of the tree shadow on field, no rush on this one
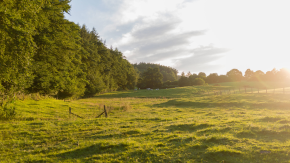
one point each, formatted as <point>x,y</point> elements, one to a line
<point>194,104</point>
<point>92,150</point>
<point>162,93</point>
<point>198,149</point>
<point>188,127</point>
<point>265,135</point>
<point>125,134</point>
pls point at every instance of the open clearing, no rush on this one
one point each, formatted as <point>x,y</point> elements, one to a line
<point>186,124</point>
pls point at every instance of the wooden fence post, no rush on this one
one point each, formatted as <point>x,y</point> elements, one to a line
<point>106,114</point>
<point>69,111</point>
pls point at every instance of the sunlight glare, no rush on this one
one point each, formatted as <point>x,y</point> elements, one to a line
<point>256,30</point>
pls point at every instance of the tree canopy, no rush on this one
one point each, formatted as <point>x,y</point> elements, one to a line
<point>151,78</point>
<point>168,73</point>
<point>235,75</point>
<point>41,51</point>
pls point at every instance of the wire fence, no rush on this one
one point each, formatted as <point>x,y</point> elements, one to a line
<point>239,90</point>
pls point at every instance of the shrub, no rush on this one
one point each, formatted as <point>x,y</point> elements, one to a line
<point>198,81</point>
<point>7,112</point>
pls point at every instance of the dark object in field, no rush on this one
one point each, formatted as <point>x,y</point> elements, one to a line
<point>105,111</point>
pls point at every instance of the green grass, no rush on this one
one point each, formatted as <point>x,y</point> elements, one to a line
<point>188,124</point>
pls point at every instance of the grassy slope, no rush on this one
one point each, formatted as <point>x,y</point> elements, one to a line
<point>171,125</point>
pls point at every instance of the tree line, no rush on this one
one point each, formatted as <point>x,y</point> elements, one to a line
<point>234,75</point>
<point>153,78</point>
<point>41,51</point>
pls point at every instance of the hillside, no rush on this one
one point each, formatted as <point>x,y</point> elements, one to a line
<point>170,125</point>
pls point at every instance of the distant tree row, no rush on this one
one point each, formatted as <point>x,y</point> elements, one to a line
<point>191,79</point>
<point>235,75</point>
<point>274,75</point>
<point>153,78</point>
<point>167,72</point>
<point>40,51</point>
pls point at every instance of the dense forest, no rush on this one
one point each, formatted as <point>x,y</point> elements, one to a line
<point>41,51</point>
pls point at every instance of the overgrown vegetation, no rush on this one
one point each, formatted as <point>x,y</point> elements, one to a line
<point>7,110</point>
<point>185,124</point>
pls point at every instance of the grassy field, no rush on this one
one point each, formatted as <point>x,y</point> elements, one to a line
<point>188,124</point>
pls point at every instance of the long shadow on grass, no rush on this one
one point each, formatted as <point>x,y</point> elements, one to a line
<point>93,150</point>
<point>162,93</point>
<point>188,127</point>
<point>265,135</point>
<point>198,149</point>
<point>131,133</point>
<point>194,104</point>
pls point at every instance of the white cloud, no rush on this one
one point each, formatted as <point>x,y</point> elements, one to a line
<point>256,31</point>
<point>163,28</point>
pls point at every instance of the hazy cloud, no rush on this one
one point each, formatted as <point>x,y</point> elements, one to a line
<point>156,40</point>
<point>161,47</point>
<point>155,29</point>
<point>121,29</point>
<point>145,32</point>
<point>165,42</point>
<point>158,57</point>
<point>201,58</point>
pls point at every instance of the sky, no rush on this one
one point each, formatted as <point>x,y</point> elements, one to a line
<point>193,35</point>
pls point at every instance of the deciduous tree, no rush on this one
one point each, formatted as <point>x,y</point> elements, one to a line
<point>152,78</point>
<point>235,75</point>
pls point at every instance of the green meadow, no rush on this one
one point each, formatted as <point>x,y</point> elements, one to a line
<point>184,124</point>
